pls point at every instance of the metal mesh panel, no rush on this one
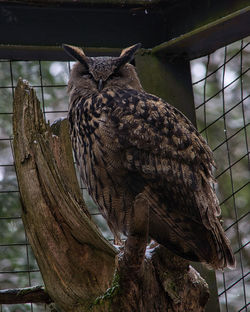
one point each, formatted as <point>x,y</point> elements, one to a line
<point>222,117</point>
<point>221,90</point>
<point>18,267</point>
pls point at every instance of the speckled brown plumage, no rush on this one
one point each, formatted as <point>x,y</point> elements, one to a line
<point>127,142</point>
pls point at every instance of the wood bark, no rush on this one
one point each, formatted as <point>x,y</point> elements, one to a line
<point>81,270</point>
<point>34,294</point>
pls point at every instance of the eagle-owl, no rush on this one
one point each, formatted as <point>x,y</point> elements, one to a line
<point>128,142</point>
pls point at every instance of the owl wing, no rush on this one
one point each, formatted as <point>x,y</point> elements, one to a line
<point>161,146</point>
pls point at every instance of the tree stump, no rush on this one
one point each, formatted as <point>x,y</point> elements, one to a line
<point>81,270</point>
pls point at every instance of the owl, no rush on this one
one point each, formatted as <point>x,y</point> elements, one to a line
<point>127,143</point>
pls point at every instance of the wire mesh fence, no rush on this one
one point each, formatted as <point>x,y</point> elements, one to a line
<point>222,116</point>
<point>18,267</point>
<point>221,91</point>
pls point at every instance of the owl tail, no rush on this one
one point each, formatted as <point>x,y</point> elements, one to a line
<point>192,240</point>
<point>225,257</point>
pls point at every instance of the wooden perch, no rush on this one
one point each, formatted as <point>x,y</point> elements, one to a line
<point>34,294</point>
<point>80,268</point>
<point>76,262</point>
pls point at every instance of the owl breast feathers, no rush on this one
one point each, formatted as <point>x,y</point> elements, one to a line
<point>128,142</point>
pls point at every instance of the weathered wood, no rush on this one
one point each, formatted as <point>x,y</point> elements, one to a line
<point>80,268</point>
<point>207,38</point>
<point>67,245</point>
<point>199,27</point>
<point>101,3</point>
<point>34,294</point>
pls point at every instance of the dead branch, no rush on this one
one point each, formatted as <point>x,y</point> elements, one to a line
<point>34,294</point>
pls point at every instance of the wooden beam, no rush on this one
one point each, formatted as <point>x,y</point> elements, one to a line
<point>51,53</point>
<point>116,3</point>
<point>117,24</point>
<point>208,38</point>
<point>88,26</point>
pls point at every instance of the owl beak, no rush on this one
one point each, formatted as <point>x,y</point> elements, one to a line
<point>100,85</point>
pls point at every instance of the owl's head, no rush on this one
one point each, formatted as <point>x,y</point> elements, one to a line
<point>96,74</point>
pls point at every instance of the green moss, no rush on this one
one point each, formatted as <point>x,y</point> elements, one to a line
<point>173,286</point>
<point>110,293</point>
<point>27,290</point>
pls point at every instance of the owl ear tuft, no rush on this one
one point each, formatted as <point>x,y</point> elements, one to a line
<point>76,53</point>
<point>128,54</point>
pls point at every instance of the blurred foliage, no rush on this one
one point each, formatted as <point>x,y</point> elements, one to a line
<point>49,80</point>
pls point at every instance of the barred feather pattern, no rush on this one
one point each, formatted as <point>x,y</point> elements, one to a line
<point>128,142</point>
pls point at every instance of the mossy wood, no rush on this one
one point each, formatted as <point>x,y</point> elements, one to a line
<point>67,245</point>
<point>80,269</point>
